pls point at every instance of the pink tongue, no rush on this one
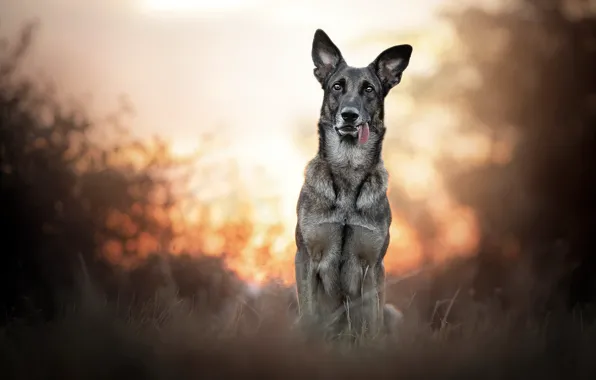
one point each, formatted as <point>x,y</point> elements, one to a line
<point>363,133</point>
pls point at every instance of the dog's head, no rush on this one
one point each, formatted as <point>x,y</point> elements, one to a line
<point>354,97</point>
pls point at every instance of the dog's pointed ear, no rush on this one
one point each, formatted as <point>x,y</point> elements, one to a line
<point>325,55</point>
<point>390,65</point>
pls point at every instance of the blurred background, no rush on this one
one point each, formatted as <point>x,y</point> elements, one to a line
<point>164,143</point>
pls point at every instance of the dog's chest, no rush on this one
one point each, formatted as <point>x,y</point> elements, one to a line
<point>345,202</point>
<point>347,193</point>
<point>343,195</point>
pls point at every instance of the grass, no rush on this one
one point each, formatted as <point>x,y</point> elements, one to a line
<point>172,338</point>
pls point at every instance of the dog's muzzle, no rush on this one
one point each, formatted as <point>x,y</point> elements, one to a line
<point>347,130</point>
<point>359,132</point>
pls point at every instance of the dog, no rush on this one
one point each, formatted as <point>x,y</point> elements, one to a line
<point>342,230</point>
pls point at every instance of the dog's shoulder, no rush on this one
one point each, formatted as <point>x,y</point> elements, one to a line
<point>317,179</point>
<point>379,177</point>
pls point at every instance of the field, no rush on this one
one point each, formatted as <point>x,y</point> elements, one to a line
<point>103,274</point>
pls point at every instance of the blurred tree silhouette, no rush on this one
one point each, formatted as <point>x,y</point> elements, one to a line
<point>533,65</point>
<point>63,195</point>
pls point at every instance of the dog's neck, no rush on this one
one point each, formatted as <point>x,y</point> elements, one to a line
<point>350,161</point>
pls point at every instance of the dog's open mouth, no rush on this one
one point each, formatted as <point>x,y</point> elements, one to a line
<point>361,132</point>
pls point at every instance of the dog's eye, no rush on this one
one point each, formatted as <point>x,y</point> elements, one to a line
<point>368,89</point>
<point>337,87</point>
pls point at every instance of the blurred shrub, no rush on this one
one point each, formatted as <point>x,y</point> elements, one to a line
<point>63,194</point>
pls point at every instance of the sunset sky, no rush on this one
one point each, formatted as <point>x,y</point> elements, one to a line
<point>196,65</point>
<point>240,70</point>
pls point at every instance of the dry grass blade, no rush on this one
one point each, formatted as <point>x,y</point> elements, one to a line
<point>444,320</point>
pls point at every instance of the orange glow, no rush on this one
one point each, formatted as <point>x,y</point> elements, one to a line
<point>255,233</point>
<point>246,77</point>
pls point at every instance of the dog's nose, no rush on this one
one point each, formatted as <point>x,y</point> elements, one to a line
<point>349,114</point>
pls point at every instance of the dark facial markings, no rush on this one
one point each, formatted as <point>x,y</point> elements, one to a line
<point>354,90</point>
<point>351,78</point>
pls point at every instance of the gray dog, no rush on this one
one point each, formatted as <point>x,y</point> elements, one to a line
<point>344,216</point>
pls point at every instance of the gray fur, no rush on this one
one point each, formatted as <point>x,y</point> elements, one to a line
<point>344,216</point>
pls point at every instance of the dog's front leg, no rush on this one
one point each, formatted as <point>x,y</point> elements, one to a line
<point>305,268</point>
<point>362,278</point>
<point>318,292</point>
<point>319,273</point>
<point>303,290</point>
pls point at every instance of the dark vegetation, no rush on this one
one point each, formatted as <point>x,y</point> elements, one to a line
<point>538,210</point>
<point>67,312</point>
<point>65,200</point>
